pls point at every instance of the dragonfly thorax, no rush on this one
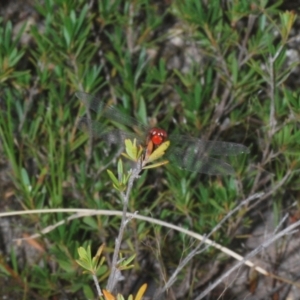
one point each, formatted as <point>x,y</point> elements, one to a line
<point>157,136</point>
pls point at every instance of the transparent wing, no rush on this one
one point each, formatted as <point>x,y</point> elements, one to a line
<point>200,147</point>
<point>193,154</point>
<point>109,111</point>
<point>108,134</point>
<point>192,162</point>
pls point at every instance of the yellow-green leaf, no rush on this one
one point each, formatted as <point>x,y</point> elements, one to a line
<point>127,156</point>
<point>128,260</point>
<point>159,164</point>
<point>159,152</point>
<point>131,148</point>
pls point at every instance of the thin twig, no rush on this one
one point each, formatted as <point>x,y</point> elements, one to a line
<point>97,285</point>
<point>32,92</point>
<point>90,141</point>
<point>243,49</point>
<point>112,280</point>
<point>249,256</point>
<point>129,30</point>
<point>273,189</point>
<point>272,92</point>
<point>196,250</point>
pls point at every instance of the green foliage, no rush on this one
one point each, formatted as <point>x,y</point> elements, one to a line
<point>10,56</point>
<point>119,184</point>
<point>91,264</point>
<point>219,70</point>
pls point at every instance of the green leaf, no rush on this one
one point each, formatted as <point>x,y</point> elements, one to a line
<point>85,259</point>
<point>128,260</point>
<point>156,165</point>
<point>131,149</point>
<point>159,152</point>
<point>120,170</point>
<point>25,177</point>
<point>113,177</point>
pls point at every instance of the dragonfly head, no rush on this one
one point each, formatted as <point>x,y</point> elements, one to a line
<point>157,136</point>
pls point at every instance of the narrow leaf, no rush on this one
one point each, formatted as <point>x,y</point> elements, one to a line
<point>159,152</point>
<point>141,292</point>
<point>113,177</point>
<point>156,165</point>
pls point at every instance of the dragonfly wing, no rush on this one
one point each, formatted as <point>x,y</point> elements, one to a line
<point>107,110</point>
<point>110,135</point>
<point>208,147</point>
<point>196,162</point>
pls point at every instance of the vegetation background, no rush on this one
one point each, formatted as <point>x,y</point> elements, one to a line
<point>219,70</point>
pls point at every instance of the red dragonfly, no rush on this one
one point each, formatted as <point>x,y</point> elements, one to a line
<point>185,152</point>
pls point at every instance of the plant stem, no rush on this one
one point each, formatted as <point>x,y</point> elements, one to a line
<point>115,273</point>
<point>97,286</point>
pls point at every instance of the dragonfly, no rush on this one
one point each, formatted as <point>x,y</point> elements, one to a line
<point>185,152</point>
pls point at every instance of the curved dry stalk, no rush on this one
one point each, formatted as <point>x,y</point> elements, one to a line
<point>80,213</point>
